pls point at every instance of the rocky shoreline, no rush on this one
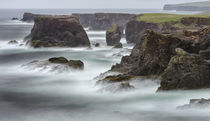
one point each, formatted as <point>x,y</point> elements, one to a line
<point>176,52</point>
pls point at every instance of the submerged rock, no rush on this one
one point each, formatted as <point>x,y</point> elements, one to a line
<point>58,31</point>
<point>196,103</point>
<point>77,64</point>
<point>186,71</point>
<point>55,64</point>
<point>113,35</point>
<point>126,85</point>
<point>13,42</point>
<point>117,78</point>
<point>15,18</point>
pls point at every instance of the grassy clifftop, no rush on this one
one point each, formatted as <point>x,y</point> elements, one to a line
<point>197,4</point>
<point>164,17</point>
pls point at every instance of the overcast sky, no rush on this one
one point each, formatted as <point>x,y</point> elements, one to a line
<point>71,4</point>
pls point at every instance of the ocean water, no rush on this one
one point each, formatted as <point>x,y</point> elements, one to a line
<point>30,93</point>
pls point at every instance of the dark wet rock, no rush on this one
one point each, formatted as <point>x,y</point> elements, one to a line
<point>96,44</point>
<point>152,55</point>
<point>13,42</point>
<point>60,60</point>
<point>205,54</point>
<point>15,18</point>
<point>196,103</point>
<point>117,78</point>
<point>102,21</point>
<point>186,71</point>
<point>55,64</point>
<point>57,31</point>
<point>136,29</point>
<point>77,64</point>
<point>119,45</point>
<point>113,35</point>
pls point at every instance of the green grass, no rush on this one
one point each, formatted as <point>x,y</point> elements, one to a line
<point>164,17</point>
<point>112,28</point>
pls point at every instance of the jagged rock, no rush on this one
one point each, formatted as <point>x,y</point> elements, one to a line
<point>152,55</point>
<point>113,35</point>
<point>189,71</point>
<point>13,42</point>
<point>59,31</point>
<point>119,45</point>
<point>196,103</point>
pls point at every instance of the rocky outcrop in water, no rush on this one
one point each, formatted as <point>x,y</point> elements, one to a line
<point>186,71</point>
<point>58,31</point>
<point>76,64</point>
<point>55,64</point>
<point>196,103</point>
<point>179,59</point>
<point>113,35</point>
<point>152,55</point>
<point>13,42</point>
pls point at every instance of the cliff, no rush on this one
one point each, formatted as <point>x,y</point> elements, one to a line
<point>59,31</point>
<point>165,23</point>
<point>194,6</point>
<point>97,21</point>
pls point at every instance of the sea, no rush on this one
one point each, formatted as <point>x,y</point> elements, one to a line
<point>34,93</point>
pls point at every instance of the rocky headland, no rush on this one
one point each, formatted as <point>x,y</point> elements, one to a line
<point>57,31</point>
<point>174,51</point>
<point>194,6</point>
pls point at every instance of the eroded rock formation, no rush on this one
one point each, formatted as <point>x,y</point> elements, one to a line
<point>57,31</point>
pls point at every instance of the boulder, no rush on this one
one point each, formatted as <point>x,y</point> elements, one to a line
<point>13,42</point>
<point>60,60</point>
<point>196,103</point>
<point>57,31</point>
<point>186,71</point>
<point>15,18</point>
<point>117,78</point>
<point>76,64</point>
<point>96,44</point>
<point>113,35</point>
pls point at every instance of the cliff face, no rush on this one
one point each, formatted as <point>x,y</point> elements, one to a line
<point>97,21</point>
<point>185,8</point>
<point>193,6</point>
<point>61,31</point>
<point>101,21</point>
<point>135,29</point>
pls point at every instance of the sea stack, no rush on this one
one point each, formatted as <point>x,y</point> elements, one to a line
<point>113,35</point>
<point>57,31</point>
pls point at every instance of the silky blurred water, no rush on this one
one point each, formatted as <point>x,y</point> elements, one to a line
<point>33,94</point>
